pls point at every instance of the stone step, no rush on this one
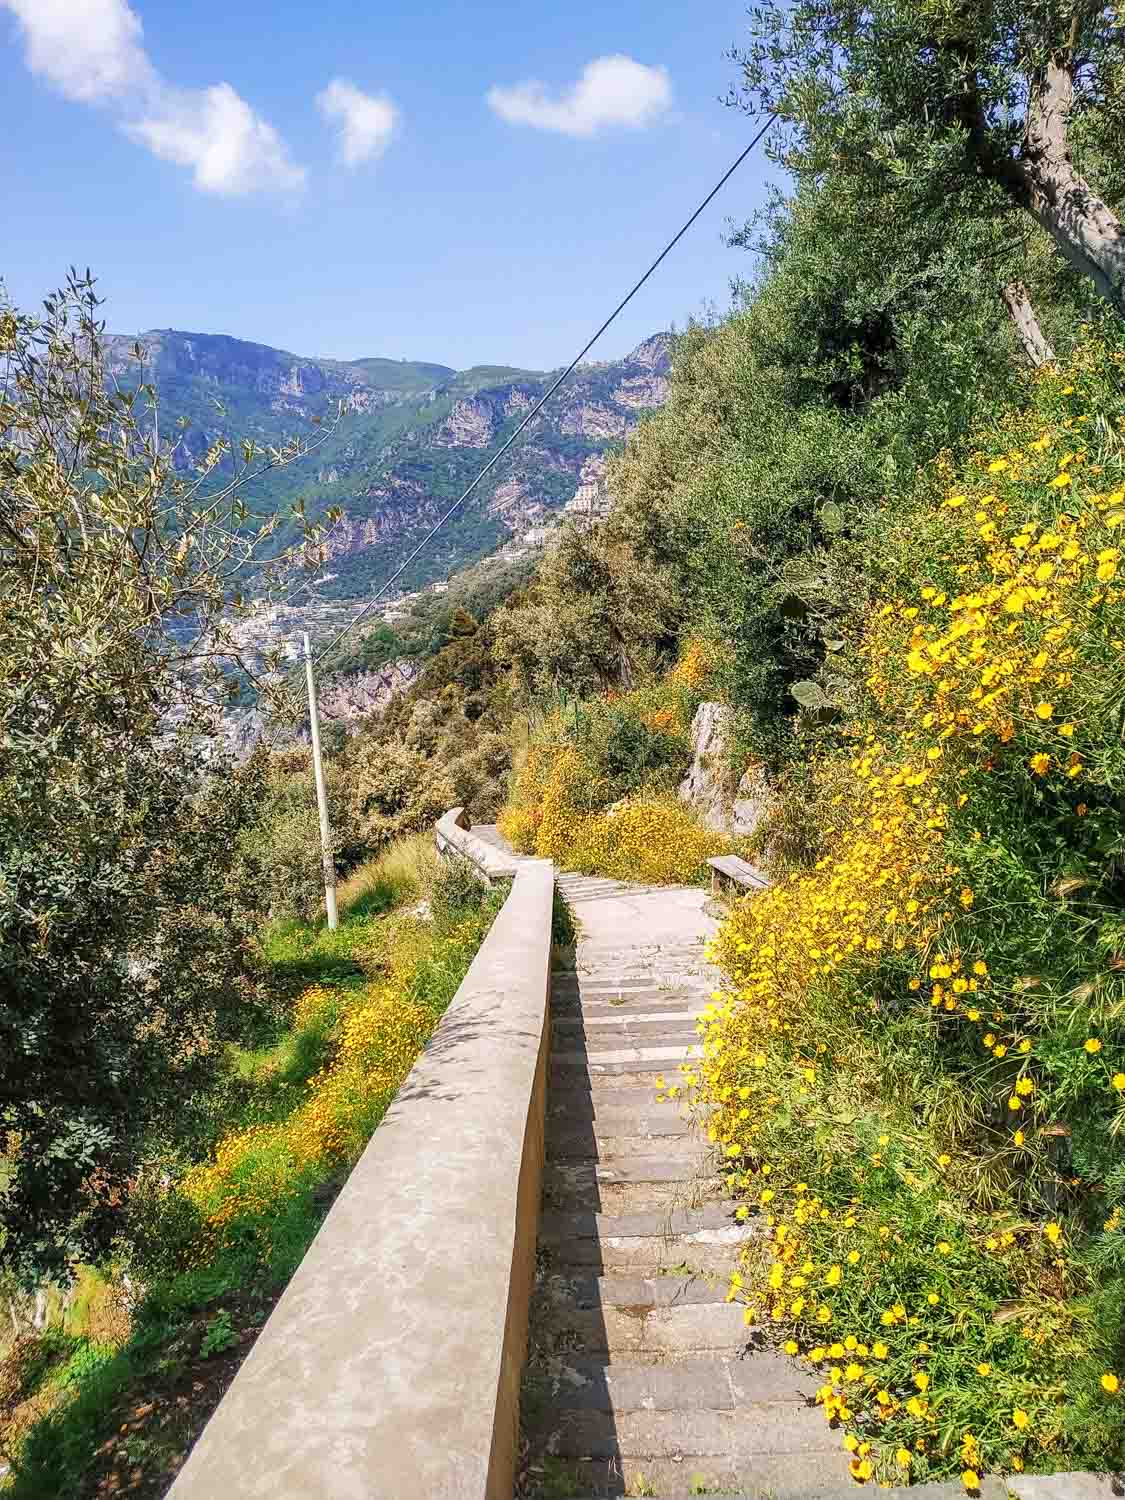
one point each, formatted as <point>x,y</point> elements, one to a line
<point>632,989</point>
<point>578,1175</point>
<point>695,1482</point>
<point>673,974</point>
<point>593,948</point>
<point>606,985</point>
<point>629,977</point>
<point>647,1332</point>
<point>567,1014</point>
<point>628,1198</point>
<point>740,1436</point>
<point>646,1117</point>
<point>578,1144</point>
<point>614,963</point>
<point>608,1043</point>
<point>664,1054</point>
<point>633,1197</point>
<point>597,1226</point>
<point>688,1385</point>
<point>620,1091</point>
<point>636,1292</point>
<point>628,992</point>
<point>624,1031</point>
<point>603,953</point>
<point>573,1079</point>
<point>618,1000</point>
<point>582,1175</point>
<point>779,1476</point>
<point>616,1136</point>
<point>580,1072</point>
<point>703,1251</point>
<point>673,1012</point>
<point>649,1056</point>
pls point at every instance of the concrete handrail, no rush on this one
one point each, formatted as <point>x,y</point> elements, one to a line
<point>390,1368</point>
<point>452,831</point>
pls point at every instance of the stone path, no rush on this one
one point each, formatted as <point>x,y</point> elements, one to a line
<point>641,1379</point>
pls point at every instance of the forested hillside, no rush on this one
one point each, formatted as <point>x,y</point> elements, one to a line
<point>396,441</point>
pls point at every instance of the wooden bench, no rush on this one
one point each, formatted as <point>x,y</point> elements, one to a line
<point>730,869</point>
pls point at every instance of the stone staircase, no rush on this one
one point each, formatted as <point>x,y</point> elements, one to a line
<point>642,1379</point>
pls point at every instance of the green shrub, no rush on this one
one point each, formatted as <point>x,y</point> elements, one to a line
<point>917,1068</point>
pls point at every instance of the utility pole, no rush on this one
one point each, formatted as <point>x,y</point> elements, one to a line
<point>321,796</point>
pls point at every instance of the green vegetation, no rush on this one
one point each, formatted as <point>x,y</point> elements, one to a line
<point>888,490</point>
<point>379,461</point>
<point>919,1063</point>
<point>428,624</point>
<point>214,1232</point>
<point>595,786</point>
<point>125,912</point>
<point>878,518</point>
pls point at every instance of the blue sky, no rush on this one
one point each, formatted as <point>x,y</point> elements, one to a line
<point>355,188</point>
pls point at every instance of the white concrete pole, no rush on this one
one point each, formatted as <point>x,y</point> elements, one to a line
<point>321,796</point>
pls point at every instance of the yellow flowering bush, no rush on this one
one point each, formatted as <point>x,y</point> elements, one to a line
<point>647,838</point>
<point>698,663</point>
<point>912,1070</point>
<point>595,792</point>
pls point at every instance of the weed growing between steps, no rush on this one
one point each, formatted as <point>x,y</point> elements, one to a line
<point>918,1064</point>
<point>213,1242</point>
<point>596,791</point>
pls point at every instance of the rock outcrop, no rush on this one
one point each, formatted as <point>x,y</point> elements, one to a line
<point>710,788</point>
<point>471,424</point>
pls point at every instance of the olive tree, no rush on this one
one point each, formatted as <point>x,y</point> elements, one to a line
<point>125,909</point>
<point>978,107</point>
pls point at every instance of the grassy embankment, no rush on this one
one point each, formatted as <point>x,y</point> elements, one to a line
<point>110,1397</point>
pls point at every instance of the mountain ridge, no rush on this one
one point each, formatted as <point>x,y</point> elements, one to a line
<point>410,437</point>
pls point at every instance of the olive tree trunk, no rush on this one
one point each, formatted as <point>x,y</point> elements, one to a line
<point>1031,336</point>
<point>1043,178</point>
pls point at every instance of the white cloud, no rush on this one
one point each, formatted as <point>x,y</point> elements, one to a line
<point>214,131</point>
<point>366,121</point>
<point>611,91</point>
<point>92,52</point>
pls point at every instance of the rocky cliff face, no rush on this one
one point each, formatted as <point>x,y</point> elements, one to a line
<point>347,700</point>
<point>710,788</point>
<point>410,438</point>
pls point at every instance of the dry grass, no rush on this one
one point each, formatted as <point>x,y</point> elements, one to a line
<point>405,870</point>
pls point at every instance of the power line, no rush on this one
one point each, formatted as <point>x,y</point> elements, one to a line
<point>542,402</point>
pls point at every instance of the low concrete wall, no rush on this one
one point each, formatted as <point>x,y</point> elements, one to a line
<point>390,1368</point>
<point>452,834</point>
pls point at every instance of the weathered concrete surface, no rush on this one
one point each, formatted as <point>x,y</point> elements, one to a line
<point>623,918</point>
<point>1066,1486</point>
<point>643,1378</point>
<point>453,835</point>
<point>390,1367</point>
<point>690,1385</point>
